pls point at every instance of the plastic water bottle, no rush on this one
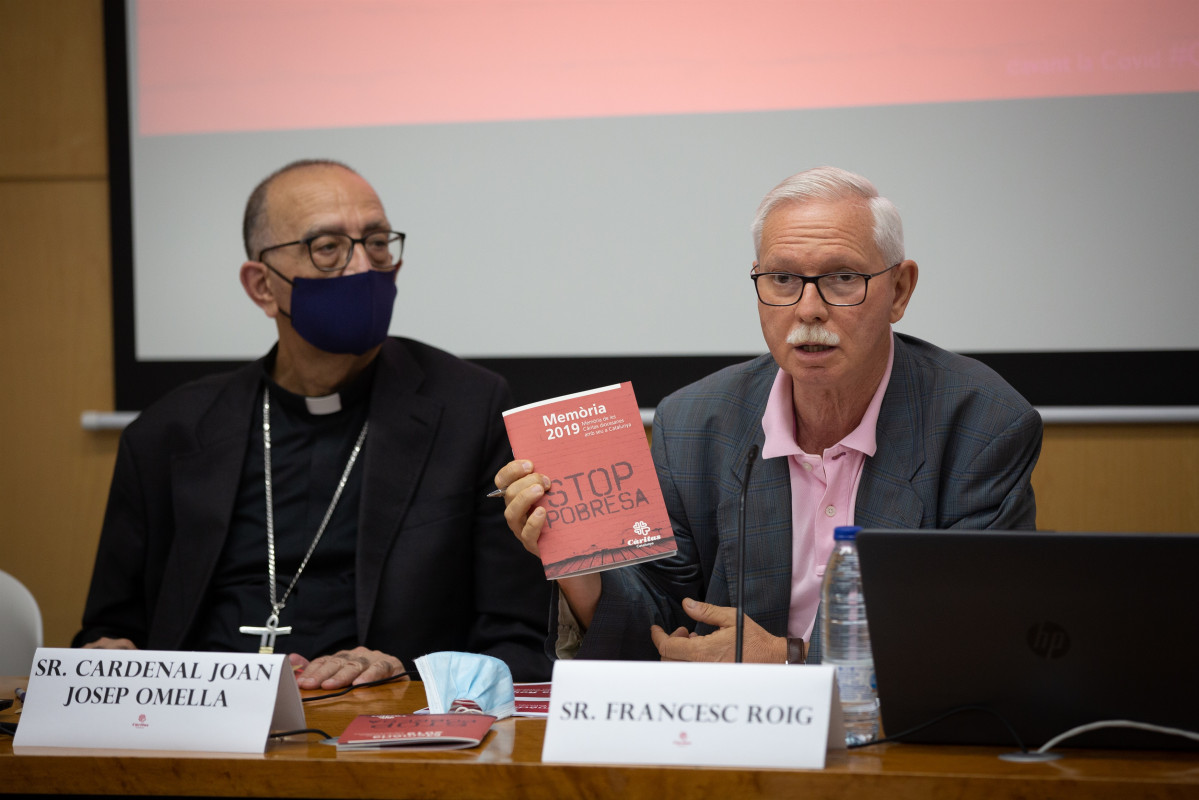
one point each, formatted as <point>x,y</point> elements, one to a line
<point>847,639</point>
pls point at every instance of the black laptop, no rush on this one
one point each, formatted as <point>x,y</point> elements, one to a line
<point>1048,630</point>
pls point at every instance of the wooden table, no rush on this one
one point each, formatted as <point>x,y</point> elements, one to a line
<point>508,764</point>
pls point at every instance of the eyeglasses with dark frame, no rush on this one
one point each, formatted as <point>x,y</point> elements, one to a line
<point>834,288</point>
<point>332,252</point>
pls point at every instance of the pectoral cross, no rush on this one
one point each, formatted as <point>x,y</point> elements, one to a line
<point>268,632</point>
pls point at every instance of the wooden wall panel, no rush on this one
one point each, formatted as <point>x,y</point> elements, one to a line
<point>55,332</point>
<point>1119,478</point>
<point>52,91</point>
<point>56,344</point>
<point>55,337</point>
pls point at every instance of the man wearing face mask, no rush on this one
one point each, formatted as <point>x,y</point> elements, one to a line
<point>327,500</point>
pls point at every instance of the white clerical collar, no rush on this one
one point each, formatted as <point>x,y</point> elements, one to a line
<point>329,404</point>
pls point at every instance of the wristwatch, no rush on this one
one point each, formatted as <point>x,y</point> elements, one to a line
<point>796,651</point>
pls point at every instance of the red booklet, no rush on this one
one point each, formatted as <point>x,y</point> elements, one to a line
<point>426,731</point>
<point>532,699</point>
<point>604,508</point>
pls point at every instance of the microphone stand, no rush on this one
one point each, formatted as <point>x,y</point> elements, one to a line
<point>749,466</point>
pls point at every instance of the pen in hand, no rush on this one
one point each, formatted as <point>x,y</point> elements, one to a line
<point>496,493</point>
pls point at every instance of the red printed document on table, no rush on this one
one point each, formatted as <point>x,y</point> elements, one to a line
<point>532,699</point>
<point>604,508</point>
<point>425,731</point>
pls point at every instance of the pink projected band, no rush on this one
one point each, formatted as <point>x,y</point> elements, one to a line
<point>249,65</point>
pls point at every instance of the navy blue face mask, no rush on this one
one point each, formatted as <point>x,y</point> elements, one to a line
<point>346,314</point>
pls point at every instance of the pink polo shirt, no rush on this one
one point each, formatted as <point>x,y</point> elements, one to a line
<point>823,490</point>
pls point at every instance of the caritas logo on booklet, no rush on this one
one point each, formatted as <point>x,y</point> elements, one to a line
<point>643,534</point>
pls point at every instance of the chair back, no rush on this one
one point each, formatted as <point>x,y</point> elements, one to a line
<point>20,626</point>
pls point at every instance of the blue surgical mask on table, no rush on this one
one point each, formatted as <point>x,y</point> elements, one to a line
<point>346,314</point>
<point>467,682</point>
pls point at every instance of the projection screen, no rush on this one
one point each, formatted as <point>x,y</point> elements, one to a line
<point>576,178</point>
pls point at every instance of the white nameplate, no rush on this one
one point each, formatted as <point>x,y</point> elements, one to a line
<point>157,700</point>
<point>734,715</point>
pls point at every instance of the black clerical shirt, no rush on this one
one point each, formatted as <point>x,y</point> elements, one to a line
<point>308,456</point>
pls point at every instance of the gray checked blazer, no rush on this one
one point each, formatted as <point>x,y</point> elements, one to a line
<point>956,449</point>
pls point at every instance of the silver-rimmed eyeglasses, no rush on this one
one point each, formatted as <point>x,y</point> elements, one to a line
<point>332,252</point>
<point>835,288</point>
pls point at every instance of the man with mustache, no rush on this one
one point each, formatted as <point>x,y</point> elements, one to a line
<point>856,425</point>
<point>329,495</point>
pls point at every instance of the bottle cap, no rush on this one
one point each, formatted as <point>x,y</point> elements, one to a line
<point>843,532</point>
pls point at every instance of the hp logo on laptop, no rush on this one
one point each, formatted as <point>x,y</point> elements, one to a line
<point>1048,640</point>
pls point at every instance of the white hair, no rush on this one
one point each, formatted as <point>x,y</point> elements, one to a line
<point>829,184</point>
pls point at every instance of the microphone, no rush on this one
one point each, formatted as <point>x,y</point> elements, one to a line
<point>749,466</point>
